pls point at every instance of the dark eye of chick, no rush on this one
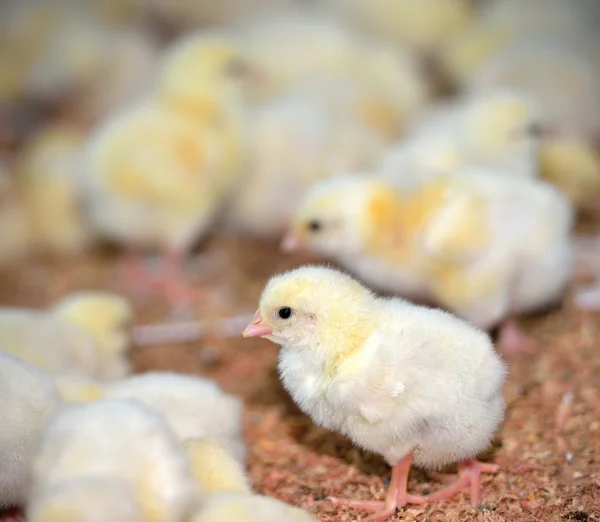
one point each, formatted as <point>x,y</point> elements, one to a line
<point>236,67</point>
<point>285,312</point>
<point>536,129</point>
<point>314,225</point>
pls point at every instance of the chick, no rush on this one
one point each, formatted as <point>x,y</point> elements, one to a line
<point>213,468</point>
<point>155,180</point>
<point>411,383</point>
<point>28,398</point>
<point>423,25</point>
<point>86,499</point>
<point>76,387</point>
<point>483,245</point>
<point>85,333</point>
<point>573,165</point>
<point>15,225</point>
<point>137,447</point>
<point>47,171</point>
<point>194,407</point>
<point>233,507</point>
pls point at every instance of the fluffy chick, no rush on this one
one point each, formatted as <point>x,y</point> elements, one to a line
<point>47,169</point>
<point>232,507</point>
<point>194,407</point>
<point>76,387</point>
<point>213,467</point>
<point>28,398</point>
<point>86,499</point>
<point>411,383</point>
<point>137,447</point>
<point>573,165</point>
<point>483,245</point>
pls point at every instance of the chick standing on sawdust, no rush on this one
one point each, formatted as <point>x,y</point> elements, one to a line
<point>135,446</point>
<point>407,382</point>
<point>193,406</point>
<point>158,172</point>
<point>86,332</point>
<point>28,398</point>
<point>483,245</point>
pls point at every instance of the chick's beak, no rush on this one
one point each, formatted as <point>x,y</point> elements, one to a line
<point>290,243</point>
<point>256,328</point>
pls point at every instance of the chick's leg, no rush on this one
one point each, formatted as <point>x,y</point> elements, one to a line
<point>512,340</point>
<point>469,479</point>
<point>397,495</point>
<point>172,282</point>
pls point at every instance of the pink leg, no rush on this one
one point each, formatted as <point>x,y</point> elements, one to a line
<point>588,299</point>
<point>469,479</point>
<point>396,496</point>
<point>512,340</point>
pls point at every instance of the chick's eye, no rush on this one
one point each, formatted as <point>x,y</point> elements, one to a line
<point>236,67</point>
<point>284,312</point>
<point>314,225</point>
<point>535,129</point>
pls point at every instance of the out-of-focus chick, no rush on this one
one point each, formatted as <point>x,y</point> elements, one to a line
<point>298,138</point>
<point>86,499</point>
<point>232,507</point>
<point>77,387</point>
<point>136,445</point>
<point>411,383</point>
<point>213,467</point>
<point>107,319</point>
<point>193,406</point>
<point>155,179</point>
<point>573,165</point>
<point>85,333</point>
<point>422,24</point>
<point>47,170</point>
<point>483,245</point>
<point>28,398</point>
<point>559,73</point>
<point>15,229</point>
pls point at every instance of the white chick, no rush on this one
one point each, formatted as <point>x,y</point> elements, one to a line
<point>85,333</point>
<point>411,383</point>
<point>483,245</point>
<point>213,467</point>
<point>86,499</point>
<point>561,74</point>
<point>193,406</point>
<point>136,445</point>
<point>47,170</point>
<point>298,138</point>
<point>28,398</point>
<point>233,507</point>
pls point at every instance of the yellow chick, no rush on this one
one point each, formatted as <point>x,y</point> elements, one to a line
<point>86,499</point>
<point>233,507</point>
<point>482,245</point>
<point>48,169</point>
<point>113,439</point>
<point>28,398</point>
<point>213,468</point>
<point>15,227</point>
<point>77,387</point>
<point>573,165</point>
<point>410,383</point>
<point>86,333</point>
<point>422,24</point>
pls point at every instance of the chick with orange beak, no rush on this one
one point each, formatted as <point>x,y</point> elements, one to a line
<point>411,383</point>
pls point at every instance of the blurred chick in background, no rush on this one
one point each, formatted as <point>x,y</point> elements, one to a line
<point>193,406</point>
<point>47,171</point>
<point>421,24</point>
<point>138,447</point>
<point>482,245</point>
<point>28,398</point>
<point>15,229</point>
<point>407,382</point>
<point>86,333</point>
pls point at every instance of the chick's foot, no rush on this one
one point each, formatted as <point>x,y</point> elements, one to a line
<point>396,497</point>
<point>513,341</point>
<point>469,479</point>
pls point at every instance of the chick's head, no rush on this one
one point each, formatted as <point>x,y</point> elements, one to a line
<point>502,122</point>
<point>106,317</point>
<point>315,308</point>
<point>334,217</point>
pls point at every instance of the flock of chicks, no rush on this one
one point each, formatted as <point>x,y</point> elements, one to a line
<point>327,125</point>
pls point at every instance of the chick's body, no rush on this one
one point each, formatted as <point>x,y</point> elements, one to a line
<point>396,378</point>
